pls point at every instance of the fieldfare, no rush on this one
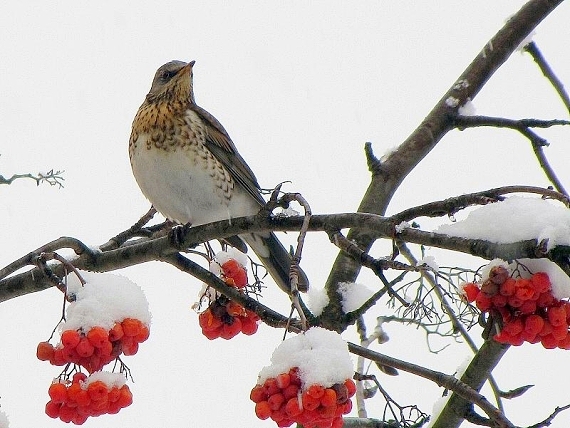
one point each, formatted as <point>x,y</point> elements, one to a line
<point>190,170</point>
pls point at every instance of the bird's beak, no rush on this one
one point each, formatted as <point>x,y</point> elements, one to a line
<point>187,69</point>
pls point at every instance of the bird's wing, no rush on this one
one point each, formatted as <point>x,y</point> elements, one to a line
<point>220,144</point>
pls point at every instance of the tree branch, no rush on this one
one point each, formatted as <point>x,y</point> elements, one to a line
<point>397,165</point>
<point>148,249</point>
<point>460,388</point>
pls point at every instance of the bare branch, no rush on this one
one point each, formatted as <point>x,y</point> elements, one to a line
<point>148,249</point>
<point>53,178</point>
<point>536,54</point>
<point>449,382</point>
<point>397,164</point>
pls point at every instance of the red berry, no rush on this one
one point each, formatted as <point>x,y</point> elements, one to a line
<point>556,315</point>
<point>515,302</point>
<point>58,358</point>
<point>566,306</point>
<point>560,331</point>
<point>82,398</point>
<point>293,408</point>
<point>316,391</point>
<point>329,398</point>
<point>45,351</point>
<point>283,380</point>
<point>276,401</point>
<point>144,334</point>
<point>278,415</point>
<point>258,394</point>
<point>79,377</point>
<point>236,272</point>
<point>489,288</point>
<point>70,338</point>
<point>126,397</point>
<point>97,336</point>
<point>350,386</point>
<point>498,274</point>
<point>483,302</point>
<point>131,326</point>
<point>499,300</point>
<point>565,343</point>
<point>549,341</point>
<point>546,329</point>
<point>533,324</point>
<point>310,402</point>
<point>66,413</point>
<point>84,348</point>
<point>230,266</point>
<point>79,419</point>
<point>528,307</point>
<point>291,391</point>
<point>249,326</point>
<point>545,299</point>
<point>262,410</point>
<point>294,374</point>
<point>130,348</point>
<point>529,336</point>
<point>524,289</point>
<point>508,287</point>
<point>341,393</point>
<point>212,334</point>
<point>58,392</point>
<point>52,409</point>
<point>114,394</point>
<point>230,330</point>
<point>240,278</point>
<point>116,332</point>
<point>208,321</point>
<point>540,282</point>
<point>513,327</point>
<point>235,309</point>
<point>270,386</point>
<point>516,340</point>
<point>97,390</point>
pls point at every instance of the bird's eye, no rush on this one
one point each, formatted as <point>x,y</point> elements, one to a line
<point>166,75</point>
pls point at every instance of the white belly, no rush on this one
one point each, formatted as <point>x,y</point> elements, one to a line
<point>184,188</point>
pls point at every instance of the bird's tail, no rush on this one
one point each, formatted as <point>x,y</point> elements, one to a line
<point>276,259</point>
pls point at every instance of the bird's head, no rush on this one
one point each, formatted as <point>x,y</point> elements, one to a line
<point>172,82</point>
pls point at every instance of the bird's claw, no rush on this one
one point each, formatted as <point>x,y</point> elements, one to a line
<point>178,233</point>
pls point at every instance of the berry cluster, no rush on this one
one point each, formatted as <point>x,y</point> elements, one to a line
<point>285,401</point>
<point>75,401</point>
<point>529,311</point>
<point>223,317</point>
<point>97,347</point>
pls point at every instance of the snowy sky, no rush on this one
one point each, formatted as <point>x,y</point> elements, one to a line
<point>300,87</point>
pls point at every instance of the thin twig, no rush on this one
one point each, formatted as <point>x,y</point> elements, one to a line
<point>457,325</point>
<point>53,178</point>
<point>537,56</point>
<point>132,231</point>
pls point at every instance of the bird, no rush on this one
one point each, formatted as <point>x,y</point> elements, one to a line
<point>187,166</point>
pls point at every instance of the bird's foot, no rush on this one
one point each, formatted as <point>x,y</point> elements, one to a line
<point>177,235</point>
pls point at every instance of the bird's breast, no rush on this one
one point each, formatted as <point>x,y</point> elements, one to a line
<point>175,170</point>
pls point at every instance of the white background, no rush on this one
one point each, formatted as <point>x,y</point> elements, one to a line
<point>300,87</point>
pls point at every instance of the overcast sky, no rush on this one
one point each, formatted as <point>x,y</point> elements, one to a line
<point>300,87</point>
